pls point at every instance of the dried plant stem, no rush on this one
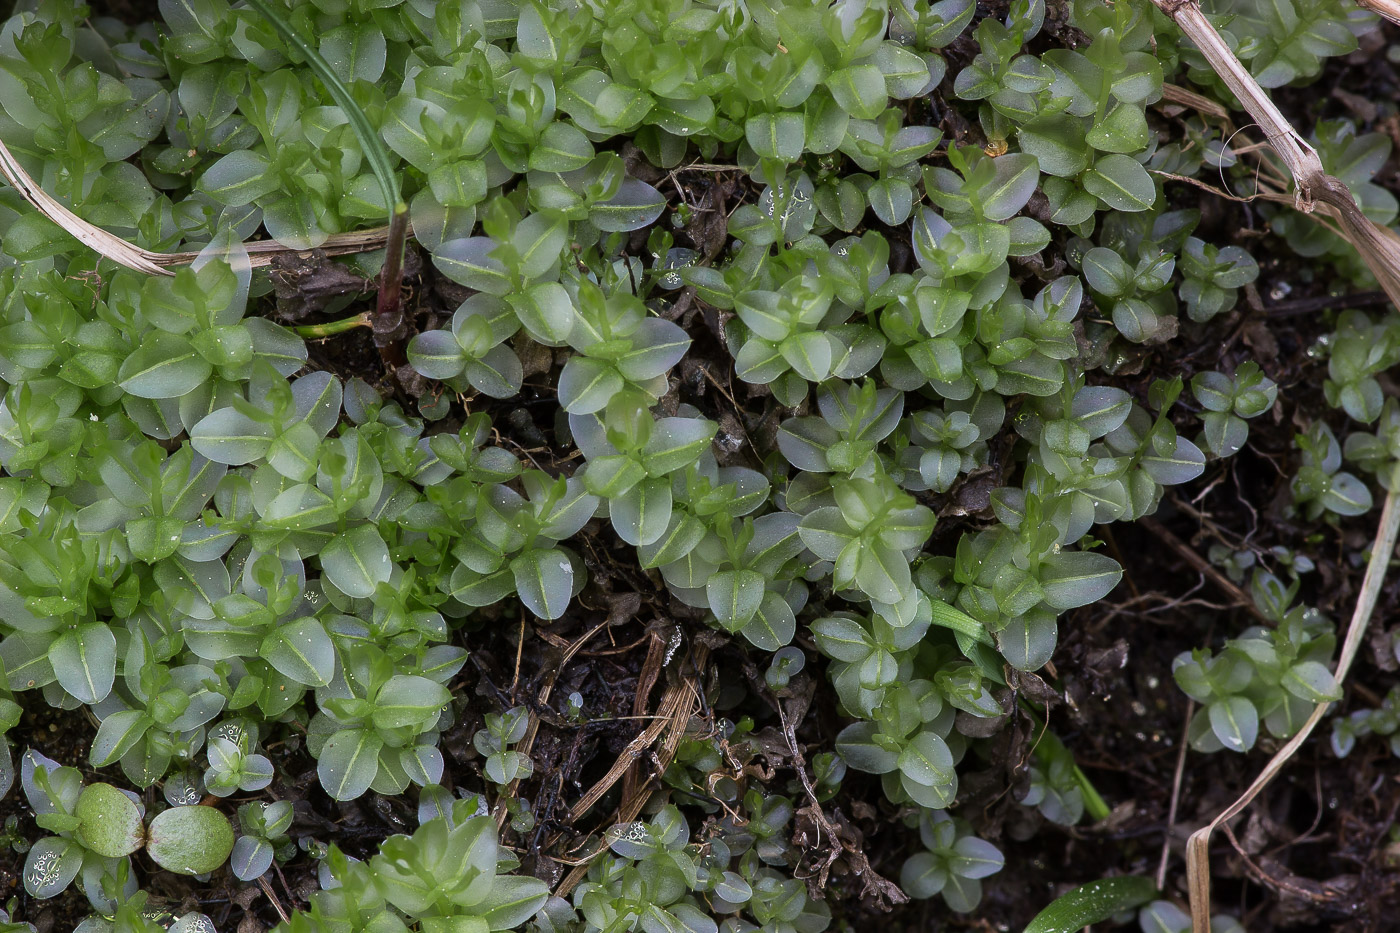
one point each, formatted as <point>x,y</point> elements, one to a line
<point>1390,9</point>
<point>1378,246</point>
<point>1176,795</point>
<point>110,246</point>
<point>678,704</point>
<point>1198,846</point>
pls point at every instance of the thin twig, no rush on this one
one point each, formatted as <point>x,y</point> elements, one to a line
<point>1326,303</point>
<point>1175,94</point>
<point>790,733</point>
<point>1176,795</point>
<point>272,896</point>
<point>1201,564</point>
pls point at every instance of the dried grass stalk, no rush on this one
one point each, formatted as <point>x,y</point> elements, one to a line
<point>1379,247</point>
<point>109,245</point>
<point>124,253</point>
<point>1390,9</point>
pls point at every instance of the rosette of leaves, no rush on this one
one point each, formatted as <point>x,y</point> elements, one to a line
<point>742,571</point>
<point>1361,350</point>
<point>764,829</point>
<point>1277,676</point>
<point>869,656</point>
<point>786,210</point>
<point>1078,468</point>
<point>376,727</point>
<point>1137,295</point>
<point>1016,578</point>
<point>472,352</point>
<point>452,871</point>
<point>981,201</point>
<point>263,836</point>
<point>1228,402</point>
<point>631,459</point>
<point>909,740</point>
<point>450,874</point>
<point>151,495</point>
<point>56,581</point>
<point>941,445</point>
<point>156,712</point>
<point>854,419</point>
<point>1055,789</point>
<point>1123,478</point>
<point>780,341</point>
<point>1213,275</point>
<point>284,426</point>
<point>869,535</point>
<point>701,495</point>
<point>1382,721</point>
<point>952,865</point>
<point>617,346</point>
<point>503,765</point>
<point>1082,113</point>
<point>646,880</point>
<point>516,548</point>
<point>1321,485</point>
<point>234,763</point>
<point>266,618</point>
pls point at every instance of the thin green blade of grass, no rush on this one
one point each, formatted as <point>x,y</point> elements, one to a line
<point>373,146</point>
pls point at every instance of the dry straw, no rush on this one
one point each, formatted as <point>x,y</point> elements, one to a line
<point>127,254</point>
<point>1390,9</point>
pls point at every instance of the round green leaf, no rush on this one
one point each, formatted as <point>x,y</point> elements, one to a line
<point>349,762</point>
<point>302,651</point>
<point>1121,182</point>
<point>190,840</point>
<point>109,821</point>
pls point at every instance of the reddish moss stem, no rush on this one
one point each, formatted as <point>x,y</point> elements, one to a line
<point>390,325</point>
